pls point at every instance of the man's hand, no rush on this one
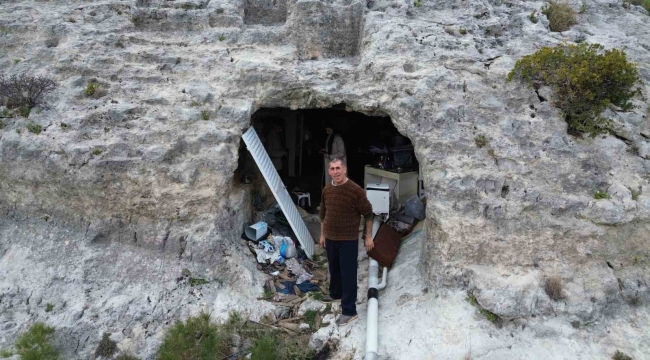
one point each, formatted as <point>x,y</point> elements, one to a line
<point>322,241</point>
<point>369,243</point>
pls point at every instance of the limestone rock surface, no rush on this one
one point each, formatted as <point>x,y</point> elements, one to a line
<point>123,189</point>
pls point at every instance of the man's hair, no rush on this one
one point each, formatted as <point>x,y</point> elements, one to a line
<point>339,159</point>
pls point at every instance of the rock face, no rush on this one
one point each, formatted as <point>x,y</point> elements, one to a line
<point>139,168</point>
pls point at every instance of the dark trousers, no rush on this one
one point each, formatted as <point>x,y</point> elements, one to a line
<point>342,260</point>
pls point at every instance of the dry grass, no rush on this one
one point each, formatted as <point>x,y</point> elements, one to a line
<point>561,16</point>
<point>554,288</point>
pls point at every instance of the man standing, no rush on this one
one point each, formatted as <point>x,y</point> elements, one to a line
<point>334,148</point>
<point>342,205</point>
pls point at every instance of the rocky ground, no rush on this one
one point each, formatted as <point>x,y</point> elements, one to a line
<point>417,323</point>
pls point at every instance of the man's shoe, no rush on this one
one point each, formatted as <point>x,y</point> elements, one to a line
<point>345,319</point>
<point>328,299</point>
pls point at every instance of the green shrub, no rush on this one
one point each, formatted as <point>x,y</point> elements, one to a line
<point>417,3</point>
<point>621,356</point>
<point>205,115</point>
<point>197,338</point>
<point>584,78</point>
<point>33,128</point>
<point>560,16</point>
<point>601,195</point>
<point>6,354</point>
<point>49,307</point>
<point>472,300</point>
<point>97,151</point>
<point>2,125</point>
<point>481,141</point>
<point>533,17</point>
<point>106,347</point>
<point>644,3</point>
<point>222,37</point>
<point>91,88</point>
<point>490,316</point>
<point>265,348</point>
<point>24,111</point>
<point>34,345</point>
<point>310,318</point>
<point>198,281</point>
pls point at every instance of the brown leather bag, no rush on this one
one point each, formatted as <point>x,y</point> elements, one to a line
<point>387,243</point>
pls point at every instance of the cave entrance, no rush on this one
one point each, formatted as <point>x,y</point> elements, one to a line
<point>287,147</point>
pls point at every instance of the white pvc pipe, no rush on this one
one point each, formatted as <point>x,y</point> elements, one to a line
<point>373,303</point>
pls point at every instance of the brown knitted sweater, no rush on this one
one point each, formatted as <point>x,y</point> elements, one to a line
<point>341,208</point>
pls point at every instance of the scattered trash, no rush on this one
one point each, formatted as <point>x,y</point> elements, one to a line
<point>291,276</point>
<point>294,266</point>
<point>302,278</point>
<point>289,287</point>
<point>265,251</point>
<point>414,208</point>
<point>256,231</point>
<point>286,247</point>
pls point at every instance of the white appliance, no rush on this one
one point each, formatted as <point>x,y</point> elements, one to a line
<point>379,197</point>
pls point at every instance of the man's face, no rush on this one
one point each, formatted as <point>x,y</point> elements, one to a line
<point>337,171</point>
<point>329,131</point>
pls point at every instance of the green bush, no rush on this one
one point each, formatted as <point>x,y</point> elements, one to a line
<point>205,115</point>
<point>601,195</point>
<point>198,281</point>
<point>106,347</point>
<point>533,17</point>
<point>644,3</point>
<point>197,338</point>
<point>621,356</point>
<point>584,78</point>
<point>24,111</point>
<point>49,307</point>
<point>33,128</point>
<point>6,354</point>
<point>560,16</point>
<point>481,141</point>
<point>310,318</point>
<point>490,316</point>
<point>34,345</point>
<point>91,88</point>
<point>265,348</point>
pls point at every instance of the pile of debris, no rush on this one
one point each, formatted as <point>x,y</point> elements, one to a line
<point>295,284</point>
